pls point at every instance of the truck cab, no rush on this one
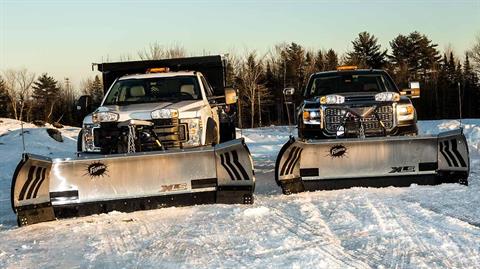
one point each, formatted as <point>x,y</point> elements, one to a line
<point>158,109</point>
<point>356,103</point>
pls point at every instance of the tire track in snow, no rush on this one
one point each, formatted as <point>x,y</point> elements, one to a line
<point>311,235</point>
<point>404,218</point>
<point>452,231</point>
<point>313,213</point>
<point>397,254</point>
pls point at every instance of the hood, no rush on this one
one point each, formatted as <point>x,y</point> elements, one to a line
<point>186,109</point>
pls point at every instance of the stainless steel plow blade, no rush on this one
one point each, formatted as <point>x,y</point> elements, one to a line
<point>374,162</point>
<point>44,189</point>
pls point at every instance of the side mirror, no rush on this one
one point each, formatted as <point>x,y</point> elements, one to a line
<point>230,96</point>
<point>413,91</point>
<point>288,91</point>
<point>84,104</point>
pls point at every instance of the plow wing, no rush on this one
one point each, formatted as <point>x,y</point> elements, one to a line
<point>372,162</point>
<point>45,189</point>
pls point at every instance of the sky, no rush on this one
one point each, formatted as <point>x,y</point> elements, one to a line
<point>63,37</point>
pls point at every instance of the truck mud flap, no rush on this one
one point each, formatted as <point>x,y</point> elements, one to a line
<point>45,189</point>
<point>372,162</point>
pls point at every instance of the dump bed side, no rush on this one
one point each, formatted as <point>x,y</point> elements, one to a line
<point>212,67</point>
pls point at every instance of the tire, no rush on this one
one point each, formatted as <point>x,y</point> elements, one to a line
<point>300,126</point>
<point>80,141</point>
<point>212,133</point>
<point>215,139</point>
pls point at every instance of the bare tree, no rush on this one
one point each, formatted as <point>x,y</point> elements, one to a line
<point>126,58</point>
<point>18,84</point>
<point>156,52</point>
<point>475,53</point>
<point>249,76</point>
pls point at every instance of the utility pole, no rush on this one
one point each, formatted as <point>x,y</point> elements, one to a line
<point>259,110</point>
<point>284,86</point>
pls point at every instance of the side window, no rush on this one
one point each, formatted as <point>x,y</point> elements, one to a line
<point>208,88</point>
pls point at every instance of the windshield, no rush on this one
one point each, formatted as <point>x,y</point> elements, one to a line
<point>346,83</point>
<point>151,90</point>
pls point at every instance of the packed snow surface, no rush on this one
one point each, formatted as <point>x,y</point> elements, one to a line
<point>415,227</point>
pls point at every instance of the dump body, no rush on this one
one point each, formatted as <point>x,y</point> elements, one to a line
<point>45,189</point>
<point>375,162</point>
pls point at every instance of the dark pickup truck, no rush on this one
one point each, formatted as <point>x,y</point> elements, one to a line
<point>356,103</point>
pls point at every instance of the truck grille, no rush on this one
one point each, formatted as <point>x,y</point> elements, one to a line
<point>334,117</point>
<point>170,132</point>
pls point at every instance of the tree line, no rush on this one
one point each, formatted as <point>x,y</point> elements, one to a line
<point>447,80</point>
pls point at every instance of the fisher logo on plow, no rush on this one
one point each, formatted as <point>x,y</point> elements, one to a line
<point>338,151</point>
<point>97,169</point>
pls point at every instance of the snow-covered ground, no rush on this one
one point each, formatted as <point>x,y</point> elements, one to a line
<point>415,227</point>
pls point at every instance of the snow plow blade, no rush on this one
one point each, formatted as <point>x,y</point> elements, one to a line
<point>372,162</point>
<point>45,189</point>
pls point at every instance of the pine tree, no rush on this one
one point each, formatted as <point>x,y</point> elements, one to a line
<point>294,58</point>
<point>400,59</point>
<point>319,61</point>
<point>451,68</point>
<point>95,90</point>
<point>4,101</point>
<point>366,52</point>
<point>269,77</point>
<point>309,67</point>
<point>471,90</point>
<point>443,84</point>
<point>413,57</point>
<point>425,53</point>
<point>45,93</point>
<point>331,60</point>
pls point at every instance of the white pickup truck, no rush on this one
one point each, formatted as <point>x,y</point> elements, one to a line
<point>158,109</point>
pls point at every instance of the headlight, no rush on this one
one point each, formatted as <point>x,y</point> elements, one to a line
<point>405,112</point>
<point>194,131</point>
<point>99,117</point>
<point>311,117</point>
<point>164,113</point>
<point>387,96</point>
<point>332,99</point>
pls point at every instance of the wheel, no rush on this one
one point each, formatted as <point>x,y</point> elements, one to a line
<point>215,136</point>
<point>212,133</point>
<point>300,126</point>
<point>80,141</point>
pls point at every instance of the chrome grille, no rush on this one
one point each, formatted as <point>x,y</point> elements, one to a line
<point>170,132</point>
<point>385,114</point>
<point>334,118</point>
